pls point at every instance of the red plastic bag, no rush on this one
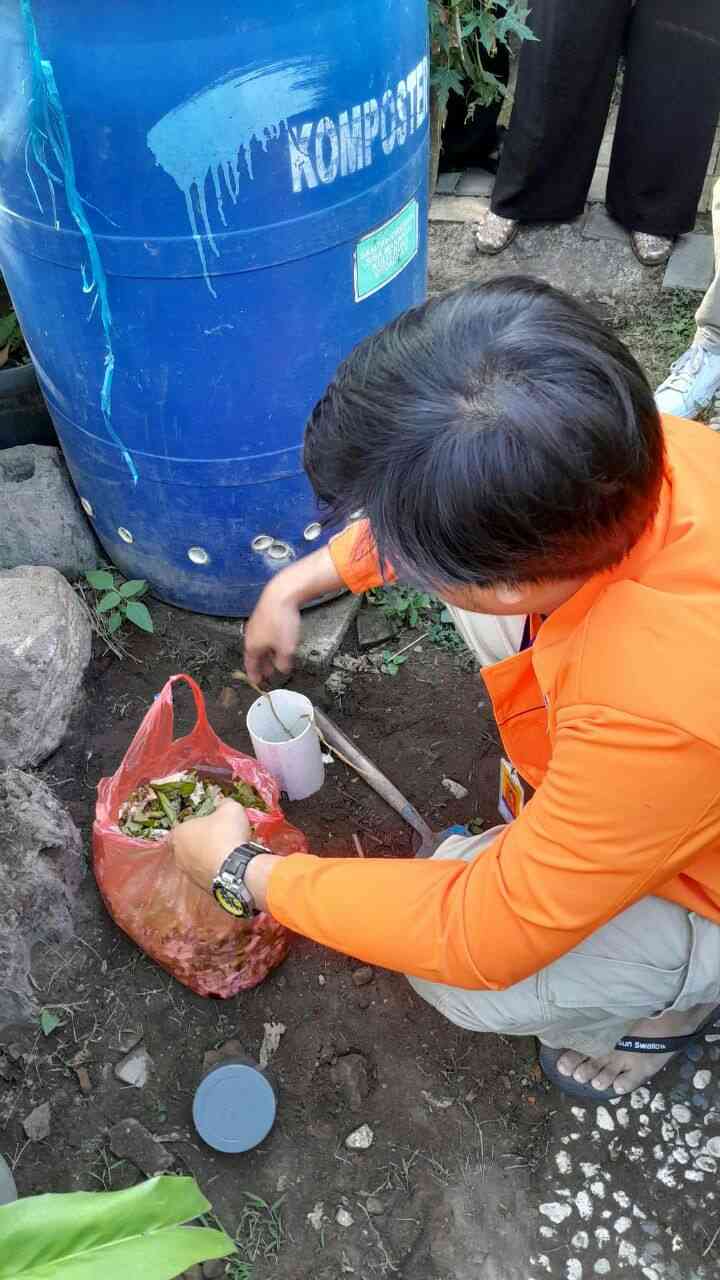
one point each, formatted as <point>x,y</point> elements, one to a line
<point>178,925</point>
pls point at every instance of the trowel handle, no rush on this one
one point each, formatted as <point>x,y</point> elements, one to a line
<point>372,775</point>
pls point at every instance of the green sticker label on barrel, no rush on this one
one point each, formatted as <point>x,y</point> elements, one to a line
<point>383,254</point>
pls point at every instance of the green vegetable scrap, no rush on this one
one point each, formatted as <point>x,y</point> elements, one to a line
<point>158,806</point>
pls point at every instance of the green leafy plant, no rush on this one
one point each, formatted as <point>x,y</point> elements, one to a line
<point>464,36</point>
<point>12,343</point>
<point>49,1021</point>
<point>118,600</point>
<point>392,662</point>
<point>111,1234</point>
<point>260,1234</point>
<point>407,607</point>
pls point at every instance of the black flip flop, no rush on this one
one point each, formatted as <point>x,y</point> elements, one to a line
<point>548,1058</point>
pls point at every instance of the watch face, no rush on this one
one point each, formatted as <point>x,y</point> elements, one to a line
<point>229,900</point>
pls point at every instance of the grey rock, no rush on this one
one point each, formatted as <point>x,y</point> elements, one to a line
<point>350,1075</point>
<point>600,226</point>
<point>45,646</point>
<point>475,182</point>
<point>374,1206</point>
<point>130,1140</point>
<point>215,1268</point>
<point>372,628</point>
<point>193,1273</point>
<point>135,1068</point>
<point>362,976</point>
<point>691,264</point>
<point>37,1124</point>
<point>42,521</point>
<point>456,789</point>
<point>360,1139</point>
<point>41,862</point>
<point>8,1190</point>
<point>128,1038</point>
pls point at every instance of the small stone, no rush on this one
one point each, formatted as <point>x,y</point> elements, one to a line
<point>374,1206</point>
<point>360,1139</point>
<point>83,1080</point>
<point>321,980</point>
<point>350,1075</point>
<point>130,1140</point>
<point>456,789</point>
<point>215,1268</point>
<point>228,697</point>
<point>193,1273</point>
<point>135,1068</point>
<point>37,1124</point>
<point>362,976</point>
<point>363,1001</point>
<point>343,1218</point>
<point>316,1216</point>
<point>372,628</point>
<point>701,1079</point>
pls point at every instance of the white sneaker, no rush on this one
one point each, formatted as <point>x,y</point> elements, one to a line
<point>692,383</point>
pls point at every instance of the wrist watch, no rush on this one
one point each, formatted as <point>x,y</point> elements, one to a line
<point>229,889</point>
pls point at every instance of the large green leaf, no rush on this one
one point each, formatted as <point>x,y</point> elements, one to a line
<point>132,588</point>
<point>8,327</point>
<point>139,614</point>
<point>100,579</point>
<point>86,1235</point>
<point>108,601</point>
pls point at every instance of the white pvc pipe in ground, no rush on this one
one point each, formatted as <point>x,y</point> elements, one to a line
<point>295,761</point>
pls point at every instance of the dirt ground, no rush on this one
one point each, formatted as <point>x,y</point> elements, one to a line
<point>478,1170</point>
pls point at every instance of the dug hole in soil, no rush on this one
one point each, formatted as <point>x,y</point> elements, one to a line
<point>449,1112</point>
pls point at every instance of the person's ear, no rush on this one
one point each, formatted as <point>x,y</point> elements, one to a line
<point>508,595</point>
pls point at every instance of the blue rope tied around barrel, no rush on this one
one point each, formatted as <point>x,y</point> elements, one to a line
<point>49,142</point>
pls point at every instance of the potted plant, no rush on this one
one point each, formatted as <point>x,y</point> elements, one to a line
<point>113,1234</point>
<point>24,418</point>
<point>464,39</point>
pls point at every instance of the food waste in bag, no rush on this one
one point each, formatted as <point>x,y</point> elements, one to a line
<point>161,782</point>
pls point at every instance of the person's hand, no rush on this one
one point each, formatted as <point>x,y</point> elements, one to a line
<point>272,634</point>
<point>201,845</point>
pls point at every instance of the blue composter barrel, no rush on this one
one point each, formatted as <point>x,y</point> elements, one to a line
<point>202,209</point>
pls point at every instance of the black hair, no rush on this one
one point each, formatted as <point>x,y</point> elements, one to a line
<point>499,433</point>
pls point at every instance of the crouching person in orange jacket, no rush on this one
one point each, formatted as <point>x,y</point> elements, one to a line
<point>507,454</point>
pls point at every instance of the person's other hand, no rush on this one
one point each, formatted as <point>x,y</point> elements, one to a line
<point>271,635</point>
<point>201,845</point>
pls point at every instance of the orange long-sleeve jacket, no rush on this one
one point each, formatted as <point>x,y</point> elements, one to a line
<point>614,715</point>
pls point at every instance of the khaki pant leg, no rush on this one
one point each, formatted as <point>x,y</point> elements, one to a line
<point>707,316</point>
<point>489,637</point>
<point>652,957</point>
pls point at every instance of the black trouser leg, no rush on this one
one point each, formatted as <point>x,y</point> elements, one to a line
<point>565,84</point>
<point>668,115</point>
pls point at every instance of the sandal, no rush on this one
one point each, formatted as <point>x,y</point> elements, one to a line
<point>651,251</point>
<point>493,233</point>
<point>548,1058</point>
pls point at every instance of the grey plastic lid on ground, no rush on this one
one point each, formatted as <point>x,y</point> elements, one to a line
<point>234,1107</point>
